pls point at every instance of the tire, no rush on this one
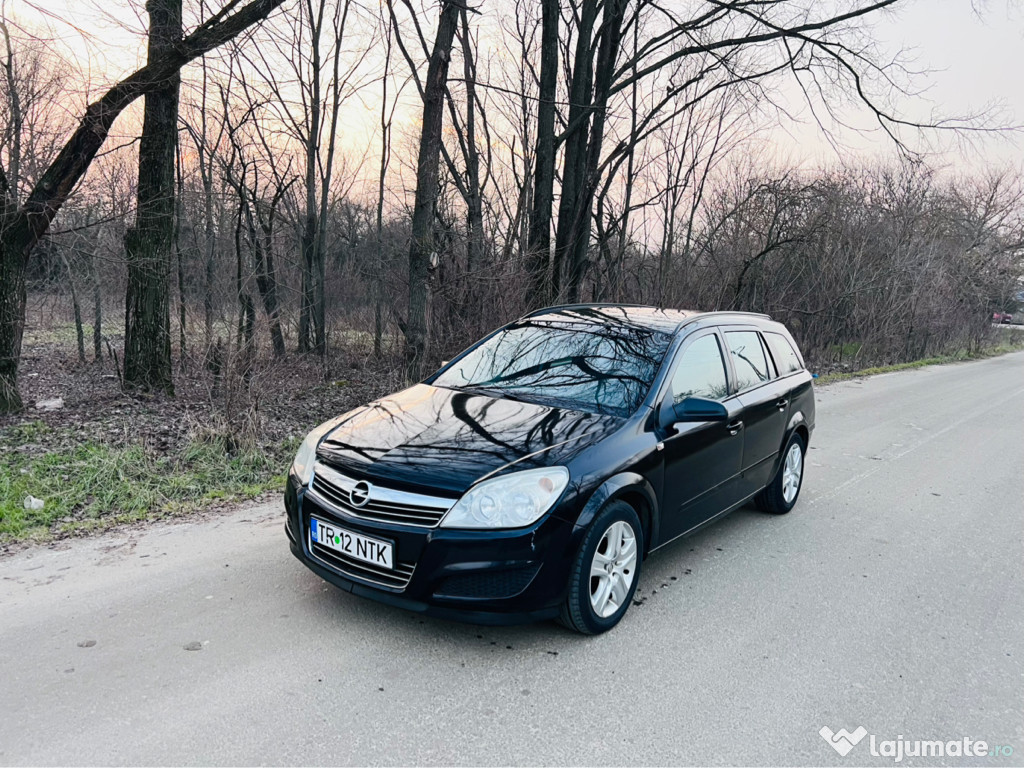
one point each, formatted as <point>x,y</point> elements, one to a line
<point>596,603</point>
<point>783,491</point>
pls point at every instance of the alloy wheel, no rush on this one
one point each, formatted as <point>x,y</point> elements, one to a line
<point>613,569</point>
<point>792,472</point>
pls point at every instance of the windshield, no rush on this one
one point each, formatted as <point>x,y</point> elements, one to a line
<point>584,366</point>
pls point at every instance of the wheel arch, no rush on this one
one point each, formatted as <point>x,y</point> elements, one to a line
<point>797,426</point>
<point>633,489</point>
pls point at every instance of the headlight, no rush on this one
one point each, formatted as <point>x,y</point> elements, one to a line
<point>302,467</point>
<point>509,501</point>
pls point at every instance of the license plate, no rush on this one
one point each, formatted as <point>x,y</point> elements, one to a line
<point>355,545</point>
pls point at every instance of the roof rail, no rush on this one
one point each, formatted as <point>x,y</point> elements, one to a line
<point>734,312</point>
<point>582,305</point>
<point>686,320</point>
<point>720,312</point>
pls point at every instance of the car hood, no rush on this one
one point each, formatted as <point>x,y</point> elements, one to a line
<point>437,439</point>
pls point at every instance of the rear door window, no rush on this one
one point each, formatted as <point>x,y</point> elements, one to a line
<point>748,358</point>
<point>773,371</point>
<point>786,358</point>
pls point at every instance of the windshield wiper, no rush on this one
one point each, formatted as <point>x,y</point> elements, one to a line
<point>531,398</point>
<point>488,392</point>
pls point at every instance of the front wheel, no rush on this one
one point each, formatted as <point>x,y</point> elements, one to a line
<point>781,494</point>
<point>606,571</point>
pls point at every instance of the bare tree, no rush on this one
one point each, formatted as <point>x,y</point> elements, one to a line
<point>149,245</point>
<point>206,136</point>
<point>386,118</point>
<point>260,186</point>
<point>12,134</point>
<point>539,246</point>
<point>21,226</point>
<point>690,54</point>
<point>421,248</point>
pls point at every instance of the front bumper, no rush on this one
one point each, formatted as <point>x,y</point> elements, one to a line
<point>483,577</point>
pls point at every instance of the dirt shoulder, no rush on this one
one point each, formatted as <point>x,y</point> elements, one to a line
<point>95,457</point>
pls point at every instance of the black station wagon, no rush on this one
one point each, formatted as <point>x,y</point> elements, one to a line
<point>530,476</point>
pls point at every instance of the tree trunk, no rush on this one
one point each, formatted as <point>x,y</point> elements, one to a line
<point>149,244</point>
<point>266,271</point>
<point>320,288</point>
<point>417,334</point>
<point>211,263</point>
<point>13,180</point>
<point>209,233</point>
<point>320,295</point>
<point>307,299</point>
<point>79,332</point>
<point>574,233</point>
<point>245,340</point>
<point>576,143</point>
<point>266,284</point>
<point>241,295</point>
<point>385,157</point>
<point>474,200</point>
<point>97,310</point>
<point>181,306</point>
<point>539,243</point>
<point>180,262</point>
<point>615,269</point>
<point>12,257</point>
<point>311,222</point>
<point>12,319</point>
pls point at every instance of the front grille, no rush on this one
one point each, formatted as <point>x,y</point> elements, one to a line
<point>383,505</point>
<point>347,566</point>
<point>487,584</point>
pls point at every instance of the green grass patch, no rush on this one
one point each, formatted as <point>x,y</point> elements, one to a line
<point>1013,345</point>
<point>847,350</point>
<point>63,334</point>
<point>92,486</point>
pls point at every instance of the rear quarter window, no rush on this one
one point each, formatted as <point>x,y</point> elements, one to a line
<point>786,358</point>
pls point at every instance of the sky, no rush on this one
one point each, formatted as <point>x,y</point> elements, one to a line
<point>968,53</point>
<point>969,59</point>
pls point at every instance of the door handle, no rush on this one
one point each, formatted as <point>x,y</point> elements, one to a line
<point>734,427</point>
<point>781,404</point>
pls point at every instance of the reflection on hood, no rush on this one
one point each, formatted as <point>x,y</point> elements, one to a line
<point>443,439</point>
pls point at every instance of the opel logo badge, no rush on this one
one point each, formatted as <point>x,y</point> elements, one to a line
<point>360,494</point>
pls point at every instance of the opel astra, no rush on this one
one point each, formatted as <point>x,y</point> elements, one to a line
<point>530,476</point>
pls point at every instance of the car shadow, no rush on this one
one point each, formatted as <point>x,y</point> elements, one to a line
<point>679,560</point>
<point>670,565</point>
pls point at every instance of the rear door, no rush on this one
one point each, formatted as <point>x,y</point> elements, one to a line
<point>765,402</point>
<point>702,459</point>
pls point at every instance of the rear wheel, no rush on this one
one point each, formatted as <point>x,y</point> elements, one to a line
<point>606,571</point>
<point>781,494</point>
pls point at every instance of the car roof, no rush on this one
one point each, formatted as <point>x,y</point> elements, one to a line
<point>630,316</point>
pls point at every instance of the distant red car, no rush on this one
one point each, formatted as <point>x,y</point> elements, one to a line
<point>1002,317</point>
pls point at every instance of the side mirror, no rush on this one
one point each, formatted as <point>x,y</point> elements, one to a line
<point>699,409</point>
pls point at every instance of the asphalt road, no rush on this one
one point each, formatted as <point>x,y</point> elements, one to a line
<point>891,598</point>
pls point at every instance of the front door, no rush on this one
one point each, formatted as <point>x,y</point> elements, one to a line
<point>702,459</point>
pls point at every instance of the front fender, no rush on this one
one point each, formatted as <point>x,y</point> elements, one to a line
<point>632,487</point>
